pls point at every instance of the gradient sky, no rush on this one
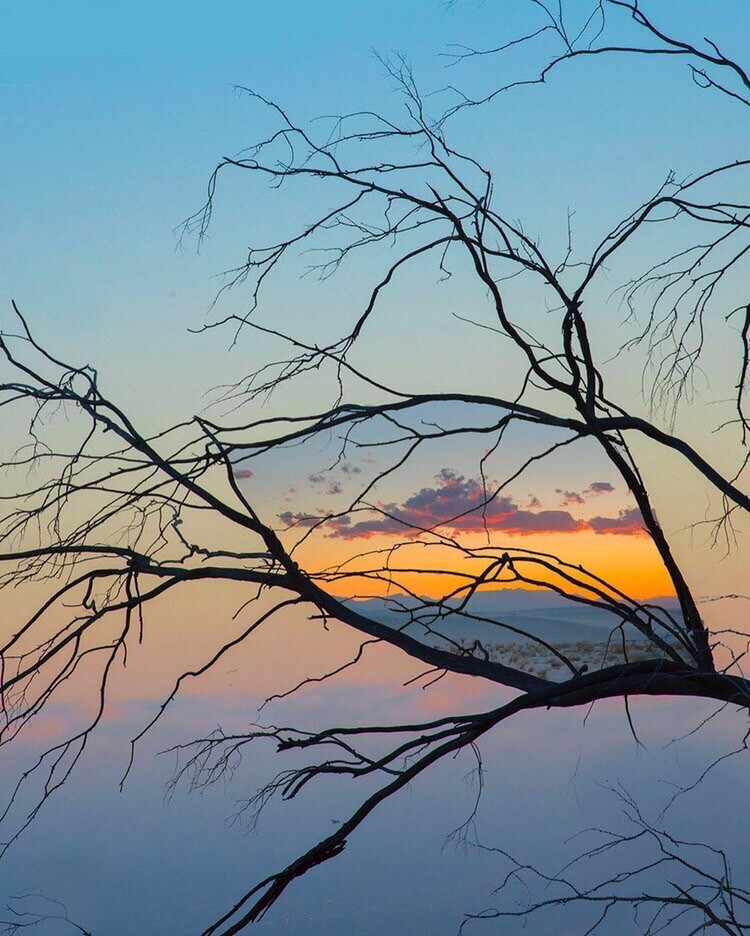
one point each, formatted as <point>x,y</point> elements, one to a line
<point>114,116</point>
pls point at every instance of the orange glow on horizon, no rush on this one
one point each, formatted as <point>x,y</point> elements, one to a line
<point>630,564</point>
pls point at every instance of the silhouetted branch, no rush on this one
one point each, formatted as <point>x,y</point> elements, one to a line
<point>698,893</point>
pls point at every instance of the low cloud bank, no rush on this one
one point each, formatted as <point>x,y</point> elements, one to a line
<point>459,504</point>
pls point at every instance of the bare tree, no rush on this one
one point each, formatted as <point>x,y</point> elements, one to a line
<point>110,517</point>
<point>700,895</point>
<point>34,912</point>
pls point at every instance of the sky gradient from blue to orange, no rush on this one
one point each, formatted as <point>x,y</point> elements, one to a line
<point>115,116</point>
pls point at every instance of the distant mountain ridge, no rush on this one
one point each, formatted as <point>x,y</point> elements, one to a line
<point>505,612</point>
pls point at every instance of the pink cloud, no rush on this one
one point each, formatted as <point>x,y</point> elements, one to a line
<point>461,504</point>
<point>243,473</point>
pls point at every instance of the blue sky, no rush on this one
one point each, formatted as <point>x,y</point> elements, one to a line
<point>114,115</point>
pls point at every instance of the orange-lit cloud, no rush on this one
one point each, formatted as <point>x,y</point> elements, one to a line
<point>461,504</point>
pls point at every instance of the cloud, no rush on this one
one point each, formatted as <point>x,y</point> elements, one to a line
<point>533,502</point>
<point>543,521</point>
<point>343,527</point>
<point>570,497</point>
<point>298,519</point>
<point>627,521</point>
<point>599,487</point>
<point>595,489</point>
<point>459,504</point>
<point>334,487</point>
<point>243,473</point>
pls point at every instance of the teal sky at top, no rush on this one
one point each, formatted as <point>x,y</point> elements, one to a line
<point>112,116</point>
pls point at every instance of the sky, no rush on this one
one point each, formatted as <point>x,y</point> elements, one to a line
<point>553,506</point>
<point>113,117</point>
<point>125,861</point>
<point>116,115</point>
<point>111,856</point>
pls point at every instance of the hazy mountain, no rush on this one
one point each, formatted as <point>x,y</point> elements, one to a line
<point>503,613</point>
